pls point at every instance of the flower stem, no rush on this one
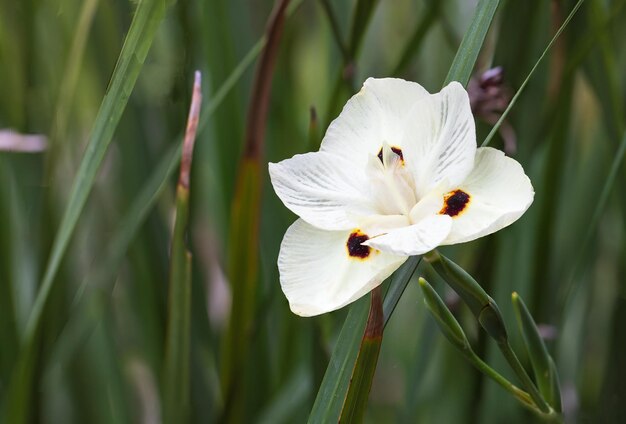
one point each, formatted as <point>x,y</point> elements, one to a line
<point>511,358</point>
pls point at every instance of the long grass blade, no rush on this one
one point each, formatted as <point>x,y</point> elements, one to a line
<point>145,22</point>
<point>177,342</point>
<point>148,16</point>
<point>244,233</point>
<point>496,127</point>
<point>363,374</point>
<point>474,37</point>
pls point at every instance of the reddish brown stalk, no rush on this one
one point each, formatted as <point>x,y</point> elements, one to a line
<point>257,111</point>
<point>374,328</point>
<point>190,133</point>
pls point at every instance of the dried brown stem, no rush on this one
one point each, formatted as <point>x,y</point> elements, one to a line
<point>190,133</point>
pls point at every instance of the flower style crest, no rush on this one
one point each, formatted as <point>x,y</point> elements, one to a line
<point>398,174</point>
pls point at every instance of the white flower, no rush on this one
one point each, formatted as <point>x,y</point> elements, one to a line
<point>398,174</point>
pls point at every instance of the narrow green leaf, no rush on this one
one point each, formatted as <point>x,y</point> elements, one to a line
<point>547,381</point>
<point>495,128</point>
<point>419,34</point>
<point>80,324</point>
<point>177,340</point>
<point>365,367</point>
<point>464,284</point>
<point>398,284</point>
<point>465,58</point>
<point>331,395</point>
<point>243,252</point>
<point>362,15</point>
<point>146,20</point>
<point>449,326</point>
<point>148,16</point>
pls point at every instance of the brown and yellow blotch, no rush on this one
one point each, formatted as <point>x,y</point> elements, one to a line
<point>455,203</point>
<point>354,246</point>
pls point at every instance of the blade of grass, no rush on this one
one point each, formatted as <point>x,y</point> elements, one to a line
<point>80,323</point>
<point>363,374</point>
<point>474,37</point>
<point>243,247</point>
<point>146,20</point>
<point>545,375</point>
<point>148,16</point>
<point>419,34</point>
<point>496,127</point>
<point>177,341</point>
<point>397,286</point>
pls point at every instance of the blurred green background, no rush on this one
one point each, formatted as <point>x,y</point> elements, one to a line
<point>100,348</point>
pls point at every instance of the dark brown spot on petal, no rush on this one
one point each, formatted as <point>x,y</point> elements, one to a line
<point>355,248</point>
<point>455,203</point>
<point>396,150</point>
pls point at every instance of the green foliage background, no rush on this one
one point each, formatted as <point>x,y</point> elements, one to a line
<point>98,355</point>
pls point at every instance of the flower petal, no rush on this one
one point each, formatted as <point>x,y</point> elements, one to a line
<point>439,142</point>
<point>415,239</point>
<point>374,115</point>
<point>499,193</point>
<point>323,189</point>
<point>318,275</point>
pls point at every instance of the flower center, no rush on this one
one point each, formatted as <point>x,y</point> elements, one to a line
<point>391,183</point>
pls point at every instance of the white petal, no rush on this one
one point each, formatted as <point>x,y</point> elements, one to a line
<point>374,115</point>
<point>440,139</point>
<point>323,189</point>
<point>499,192</point>
<point>415,239</point>
<point>317,275</point>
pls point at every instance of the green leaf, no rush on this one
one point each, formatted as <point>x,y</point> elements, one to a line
<point>177,340</point>
<point>362,15</point>
<point>148,16</point>
<point>365,367</point>
<point>547,381</point>
<point>530,74</point>
<point>332,393</point>
<point>146,20</point>
<point>465,58</point>
<point>176,362</point>
<point>398,284</point>
<point>449,326</point>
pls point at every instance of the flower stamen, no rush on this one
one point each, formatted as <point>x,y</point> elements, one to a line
<point>396,150</point>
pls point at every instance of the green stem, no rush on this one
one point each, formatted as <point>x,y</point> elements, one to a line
<point>511,358</point>
<point>518,393</point>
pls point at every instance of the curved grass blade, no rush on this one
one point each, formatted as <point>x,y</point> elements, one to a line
<point>177,341</point>
<point>466,56</point>
<point>80,323</point>
<point>546,379</point>
<point>496,127</point>
<point>148,16</point>
<point>244,232</point>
